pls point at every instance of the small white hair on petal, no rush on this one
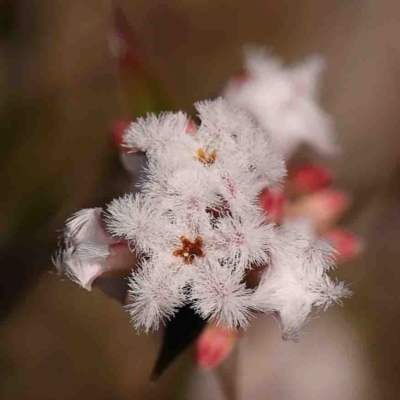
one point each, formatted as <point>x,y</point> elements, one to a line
<point>244,239</point>
<point>246,143</point>
<point>153,133</point>
<point>156,292</point>
<point>331,292</point>
<point>58,259</point>
<point>237,187</point>
<point>320,254</point>
<point>190,191</point>
<point>86,226</point>
<point>220,120</point>
<point>92,252</point>
<point>218,294</point>
<point>156,173</point>
<point>265,159</point>
<point>135,219</point>
<point>123,215</point>
<point>159,170</point>
<point>289,243</point>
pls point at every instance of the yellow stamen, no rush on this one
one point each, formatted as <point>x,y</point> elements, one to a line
<point>204,158</point>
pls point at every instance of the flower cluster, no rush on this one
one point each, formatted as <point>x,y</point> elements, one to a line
<point>284,100</point>
<point>196,229</point>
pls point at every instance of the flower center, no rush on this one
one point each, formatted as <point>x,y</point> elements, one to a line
<point>204,158</point>
<point>190,250</point>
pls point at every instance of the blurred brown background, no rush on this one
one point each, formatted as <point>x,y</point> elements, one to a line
<point>60,94</point>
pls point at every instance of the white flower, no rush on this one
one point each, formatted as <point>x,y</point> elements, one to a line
<point>86,248</point>
<point>284,101</point>
<point>296,281</point>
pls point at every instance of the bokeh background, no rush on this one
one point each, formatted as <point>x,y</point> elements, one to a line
<point>61,90</point>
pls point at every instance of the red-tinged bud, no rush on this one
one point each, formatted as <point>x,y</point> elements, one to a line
<point>118,130</point>
<point>323,207</point>
<point>272,201</point>
<point>334,201</point>
<point>121,243</point>
<point>239,78</point>
<point>309,178</point>
<point>124,44</point>
<point>347,245</point>
<point>191,128</point>
<point>214,346</point>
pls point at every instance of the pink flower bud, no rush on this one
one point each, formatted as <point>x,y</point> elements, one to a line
<point>191,128</point>
<point>214,346</point>
<point>272,201</point>
<point>239,78</point>
<point>308,178</point>
<point>348,245</point>
<point>118,130</point>
<point>323,207</point>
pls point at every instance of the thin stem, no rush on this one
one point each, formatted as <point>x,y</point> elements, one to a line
<point>227,374</point>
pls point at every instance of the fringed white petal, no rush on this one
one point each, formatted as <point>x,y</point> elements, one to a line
<point>79,268</point>
<point>220,121</point>
<point>59,257</point>
<point>83,273</point>
<point>331,292</point>
<point>156,293</point>
<point>91,252</point>
<point>153,133</point>
<point>218,294</point>
<point>238,188</point>
<point>135,219</point>
<point>244,239</point>
<point>85,250</point>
